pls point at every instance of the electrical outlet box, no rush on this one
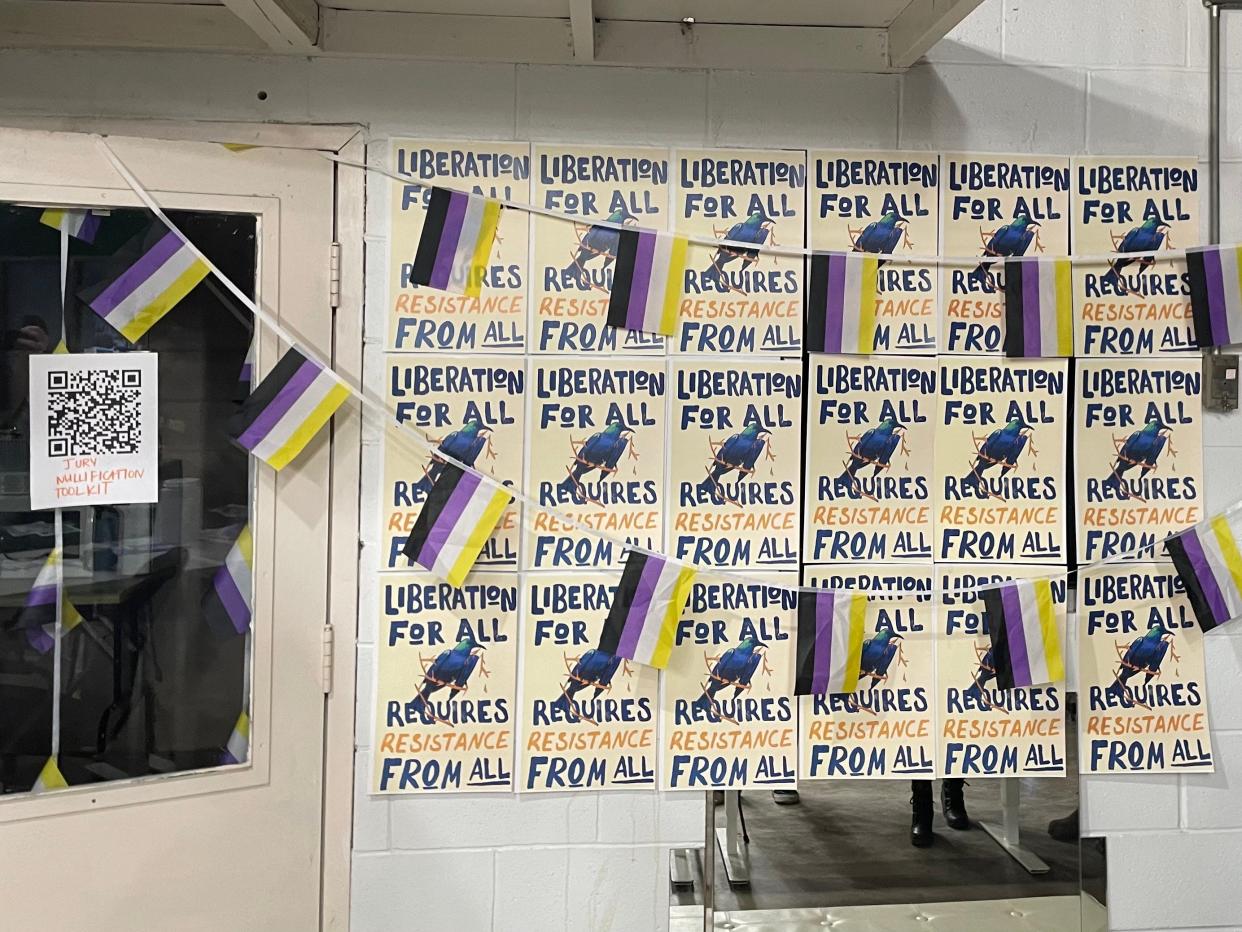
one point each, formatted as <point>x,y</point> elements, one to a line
<point>1221,372</point>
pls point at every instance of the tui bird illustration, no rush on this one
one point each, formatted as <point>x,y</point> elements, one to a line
<point>882,235</point>
<point>987,670</point>
<point>596,242</point>
<point>595,668</point>
<point>1012,239</point>
<point>600,451</point>
<point>874,448</point>
<point>451,669</point>
<point>735,667</point>
<point>1145,238</point>
<point>740,452</point>
<point>1003,446</point>
<point>754,229</point>
<point>464,445</point>
<point>1142,448</point>
<point>1144,655</point>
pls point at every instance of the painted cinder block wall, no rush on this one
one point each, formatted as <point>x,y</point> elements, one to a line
<point>1058,76</point>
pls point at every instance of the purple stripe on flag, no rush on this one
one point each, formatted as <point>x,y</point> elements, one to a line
<point>636,313</point>
<point>120,289</point>
<point>41,595</point>
<point>1207,579</point>
<point>823,643</point>
<point>270,416</point>
<point>835,314</point>
<point>1217,308</point>
<point>233,601</point>
<point>636,617</point>
<point>1017,634</point>
<point>39,639</point>
<point>442,271</point>
<point>1032,339</point>
<point>448,519</point>
<point>90,228</point>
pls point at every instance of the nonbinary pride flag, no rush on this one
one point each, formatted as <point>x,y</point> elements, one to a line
<point>237,751</point>
<point>228,602</point>
<point>1208,558</point>
<point>647,281</point>
<point>643,619</point>
<point>830,638</point>
<point>49,778</point>
<point>1039,308</point>
<point>80,224</point>
<point>136,299</point>
<point>1026,642</point>
<point>840,314</point>
<point>1216,294</point>
<point>287,409</point>
<point>38,614</point>
<point>457,519</point>
<point>456,243</point>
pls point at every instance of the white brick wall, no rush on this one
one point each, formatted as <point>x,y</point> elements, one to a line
<point>1057,76</point>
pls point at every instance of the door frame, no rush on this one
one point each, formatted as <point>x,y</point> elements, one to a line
<point>340,656</point>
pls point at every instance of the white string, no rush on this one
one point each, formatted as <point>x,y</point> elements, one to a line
<point>700,239</point>
<point>387,415</point>
<point>58,537</point>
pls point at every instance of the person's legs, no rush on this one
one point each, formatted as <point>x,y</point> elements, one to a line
<point>953,804</point>
<point>921,813</point>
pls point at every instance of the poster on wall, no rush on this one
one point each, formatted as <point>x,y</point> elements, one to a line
<point>422,319</point>
<point>1134,306</point>
<point>872,424</point>
<point>588,718</point>
<point>597,455</point>
<point>1138,453</point>
<point>446,675</point>
<point>735,463</point>
<point>993,207</point>
<point>727,712</point>
<point>886,729</point>
<point>984,731</point>
<point>738,300</point>
<point>1142,698</point>
<point>885,202</point>
<point>473,412</point>
<point>1000,466</point>
<point>573,262</point>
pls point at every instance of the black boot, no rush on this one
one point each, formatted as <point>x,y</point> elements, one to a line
<point>922,812</point>
<point>953,804</point>
<point>1065,829</point>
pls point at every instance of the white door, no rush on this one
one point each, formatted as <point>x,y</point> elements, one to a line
<point>140,704</point>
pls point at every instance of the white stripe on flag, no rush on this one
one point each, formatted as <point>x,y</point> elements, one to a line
<point>644,650</point>
<point>1047,270</point>
<point>470,518</point>
<point>283,429</point>
<point>471,225</point>
<point>239,569</point>
<point>1233,300</point>
<point>72,221</point>
<point>838,670</point>
<point>1032,633</point>
<point>151,289</point>
<point>662,255</point>
<point>1216,559</point>
<point>850,315</point>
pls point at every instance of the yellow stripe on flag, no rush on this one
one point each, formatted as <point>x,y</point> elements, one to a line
<point>1229,549</point>
<point>245,545</point>
<point>673,287</point>
<point>866,305</point>
<point>52,218</point>
<point>1047,612</point>
<point>668,625</point>
<point>482,249</point>
<point>181,286</point>
<point>478,537</point>
<point>50,778</point>
<point>858,627</point>
<point>308,428</point>
<point>1065,309</point>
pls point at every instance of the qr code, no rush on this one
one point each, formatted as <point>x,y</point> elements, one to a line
<point>94,412</point>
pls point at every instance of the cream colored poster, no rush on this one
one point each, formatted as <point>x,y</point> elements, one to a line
<point>472,410</point>
<point>1000,486</point>
<point>1134,306</point>
<point>1139,453</point>
<point>573,262</point>
<point>738,300</point>
<point>870,437</point>
<point>886,202</point>
<point>985,731</point>
<point>588,719</point>
<point>421,319</point>
<point>597,455</point>
<point>735,463</point>
<point>1142,700</point>
<point>446,678</point>
<point>993,207</point>
<point>728,720</point>
<point>885,730</point>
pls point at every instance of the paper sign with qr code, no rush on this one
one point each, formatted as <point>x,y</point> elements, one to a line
<point>93,429</point>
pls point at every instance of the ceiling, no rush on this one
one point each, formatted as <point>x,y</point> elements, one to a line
<point>834,35</point>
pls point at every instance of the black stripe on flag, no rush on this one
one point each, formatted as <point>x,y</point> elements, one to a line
<point>808,629</point>
<point>437,498</point>
<point>1015,337</point>
<point>265,393</point>
<point>622,278</point>
<point>1200,312</point>
<point>614,624</point>
<point>429,239</point>
<point>1176,550</point>
<point>994,606</point>
<point>817,305</point>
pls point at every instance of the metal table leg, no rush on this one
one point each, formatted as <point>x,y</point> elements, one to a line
<point>1006,834</point>
<point>733,850</point>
